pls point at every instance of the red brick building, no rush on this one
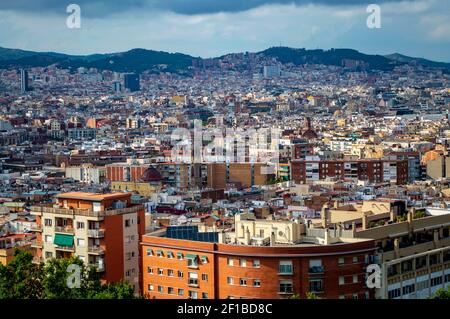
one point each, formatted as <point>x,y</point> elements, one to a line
<point>175,268</point>
<point>372,170</point>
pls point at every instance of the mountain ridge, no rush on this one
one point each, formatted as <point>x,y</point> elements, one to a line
<point>140,60</point>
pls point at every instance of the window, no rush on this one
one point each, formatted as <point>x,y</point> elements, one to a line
<point>48,222</point>
<point>170,290</point>
<point>48,238</point>
<point>193,294</point>
<point>160,289</point>
<point>256,283</point>
<point>285,287</point>
<point>395,293</point>
<point>355,279</point>
<point>149,252</point>
<point>243,282</point>
<point>256,263</point>
<point>355,296</point>
<point>436,281</point>
<point>316,285</point>
<point>192,261</point>
<point>341,261</point>
<point>181,292</point>
<point>169,254</point>
<point>150,270</point>
<point>48,254</point>
<point>159,253</point>
<point>180,256</point>
<point>204,295</point>
<point>170,272</point>
<point>204,260</point>
<point>128,273</point>
<point>342,297</point>
<point>408,289</point>
<point>230,280</point>
<point>355,260</point>
<point>127,223</point>
<point>81,242</point>
<point>242,262</point>
<point>341,280</point>
<point>80,225</point>
<point>180,274</point>
<point>160,271</point>
<point>230,262</point>
<point>193,279</point>
<point>151,287</point>
<point>205,277</point>
<point>285,267</point>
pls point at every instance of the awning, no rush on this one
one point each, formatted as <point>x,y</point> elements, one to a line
<point>191,256</point>
<point>63,240</point>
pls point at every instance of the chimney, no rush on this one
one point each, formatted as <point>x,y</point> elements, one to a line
<point>272,238</point>
<point>392,215</point>
<point>411,213</point>
<point>365,222</point>
<point>323,215</point>
<point>247,236</point>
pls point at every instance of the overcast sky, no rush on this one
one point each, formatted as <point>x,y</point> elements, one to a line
<point>213,27</point>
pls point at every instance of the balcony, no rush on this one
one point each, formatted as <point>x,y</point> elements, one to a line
<point>36,228</point>
<point>65,248</point>
<point>96,233</point>
<point>285,270</point>
<point>193,282</point>
<point>64,230</point>
<point>36,243</point>
<point>96,250</point>
<point>99,267</point>
<point>316,270</point>
<point>38,260</point>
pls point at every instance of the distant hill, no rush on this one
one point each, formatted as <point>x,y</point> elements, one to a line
<point>139,60</point>
<point>406,59</point>
<point>329,57</point>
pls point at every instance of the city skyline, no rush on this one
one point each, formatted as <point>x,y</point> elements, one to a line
<point>414,28</point>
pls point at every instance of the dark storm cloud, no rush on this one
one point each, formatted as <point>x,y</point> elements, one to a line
<point>100,8</point>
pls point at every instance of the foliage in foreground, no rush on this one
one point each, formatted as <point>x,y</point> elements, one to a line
<point>21,279</point>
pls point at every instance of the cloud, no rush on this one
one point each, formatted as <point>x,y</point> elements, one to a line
<point>99,8</point>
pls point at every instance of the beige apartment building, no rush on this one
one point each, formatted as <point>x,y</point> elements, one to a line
<point>103,230</point>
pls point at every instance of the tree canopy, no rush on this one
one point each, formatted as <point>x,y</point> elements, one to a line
<point>61,278</point>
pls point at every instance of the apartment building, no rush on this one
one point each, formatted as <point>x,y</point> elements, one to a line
<point>414,254</point>
<point>245,174</point>
<point>373,170</point>
<point>103,230</point>
<point>179,175</point>
<point>11,242</point>
<point>184,262</point>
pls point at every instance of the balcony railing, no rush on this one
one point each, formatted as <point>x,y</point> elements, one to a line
<point>38,260</point>
<point>36,243</point>
<point>99,267</point>
<point>65,248</point>
<point>316,270</point>
<point>96,233</point>
<point>36,228</point>
<point>285,270</point>
<point>84,212</point>
<point>64,229</point>
<point>96,250</point>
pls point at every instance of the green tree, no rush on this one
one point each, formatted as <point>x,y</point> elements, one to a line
<point>65,278</point>
<point>20,278</point>
<point>442,294</point>
<point>119,290</point>
<point>294,296</point>
<point>61,282</point>
<point>310,295</point>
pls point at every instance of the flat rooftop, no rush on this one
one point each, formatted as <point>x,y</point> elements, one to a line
<point>95,197</point>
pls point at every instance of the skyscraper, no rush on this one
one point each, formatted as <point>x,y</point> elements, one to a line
<point>131,82</point>
<point>24,81</point>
